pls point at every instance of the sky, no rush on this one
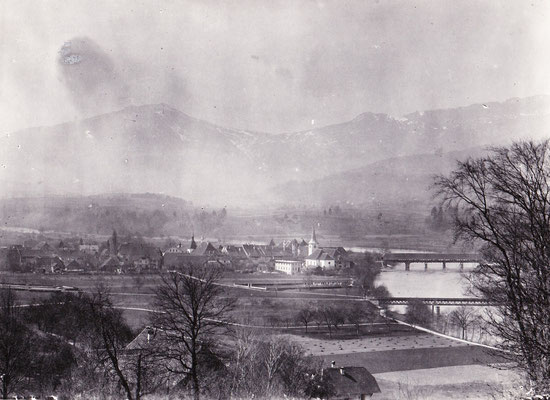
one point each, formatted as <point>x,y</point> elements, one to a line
<point>273,66</point>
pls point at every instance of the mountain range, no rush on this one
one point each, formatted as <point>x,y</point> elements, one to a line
<point>156,148</point>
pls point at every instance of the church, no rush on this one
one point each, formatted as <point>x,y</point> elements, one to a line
<point>318,257</point>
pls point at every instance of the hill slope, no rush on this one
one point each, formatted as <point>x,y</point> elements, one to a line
<point>394,182</point>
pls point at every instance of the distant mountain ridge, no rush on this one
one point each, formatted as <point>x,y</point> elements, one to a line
<point>394,182</point>
<point>156,148</point>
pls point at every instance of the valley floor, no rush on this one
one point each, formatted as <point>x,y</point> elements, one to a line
<point>408,364</point>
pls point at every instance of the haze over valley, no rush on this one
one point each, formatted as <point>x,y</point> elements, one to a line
<point>373,158</point>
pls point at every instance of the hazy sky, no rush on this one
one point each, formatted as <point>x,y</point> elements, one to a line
<point>266,65</point>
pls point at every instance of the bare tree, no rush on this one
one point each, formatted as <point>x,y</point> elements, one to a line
<point>318,318</point>
<point>305,316</point>
<point>273,357</point>
<point>192,311</point>
<point>503,206</point>
<point>331,316</point>
<point>359,313</point>
<point>15,344</point>
<point>463,317</point>
<point>241,365</point>
<point>268,365</point>
<point>108,337</point>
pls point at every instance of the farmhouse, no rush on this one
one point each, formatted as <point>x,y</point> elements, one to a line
<point>351,382</point>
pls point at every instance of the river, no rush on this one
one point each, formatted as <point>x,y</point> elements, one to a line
<point>435,282</point>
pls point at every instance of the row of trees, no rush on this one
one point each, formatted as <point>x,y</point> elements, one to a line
<point>333,317</point>
<point>461,320</point>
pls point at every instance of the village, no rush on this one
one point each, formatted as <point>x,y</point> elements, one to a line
<point>114,256</point>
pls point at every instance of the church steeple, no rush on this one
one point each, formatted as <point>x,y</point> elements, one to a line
<point>313,244</point>
<point>193,245</point>
<point>313,237</point>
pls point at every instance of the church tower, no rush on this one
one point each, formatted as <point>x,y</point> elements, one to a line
<point>193,244</point>
<point>313,245</point>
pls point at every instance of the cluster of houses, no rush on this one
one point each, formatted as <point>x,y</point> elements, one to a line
<point>80,256</point>
<point>288,257</point>
<point>317,258</point>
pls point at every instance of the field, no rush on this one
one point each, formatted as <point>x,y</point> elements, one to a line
<point>275,308</point>
<point>474,382</point>
<point>409,339</point>
<point>410,359</point>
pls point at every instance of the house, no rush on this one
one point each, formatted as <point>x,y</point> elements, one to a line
<point>289,267</point>
<point>89,248</point>
<point>350,382</point>
<point>205,249</point>
<point>74,266</point>
<point>179,249</point>
<point>234,252</point>
<point>140,256</point>
<point>174,260</point>
<point>320,258</point>
<point>292,247</point>
<point>255,251</point>
<point>29,257</point>
<point>112,264</point>
<point>340,256</point>
<point>204,253</point>
<point>336,252</point>
<point>49,264</point>
<point>44,247</point>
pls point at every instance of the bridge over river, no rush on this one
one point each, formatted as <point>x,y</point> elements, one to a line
<point>427,258</point>
<point>435,302</point>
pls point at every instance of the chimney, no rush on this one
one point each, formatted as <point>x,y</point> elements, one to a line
<point>333,364</point>
<point>342,371</point>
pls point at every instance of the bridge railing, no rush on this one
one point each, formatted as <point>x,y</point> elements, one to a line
<point>435,301</point>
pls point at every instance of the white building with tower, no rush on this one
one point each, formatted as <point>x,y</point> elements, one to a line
<point>317,257</point>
